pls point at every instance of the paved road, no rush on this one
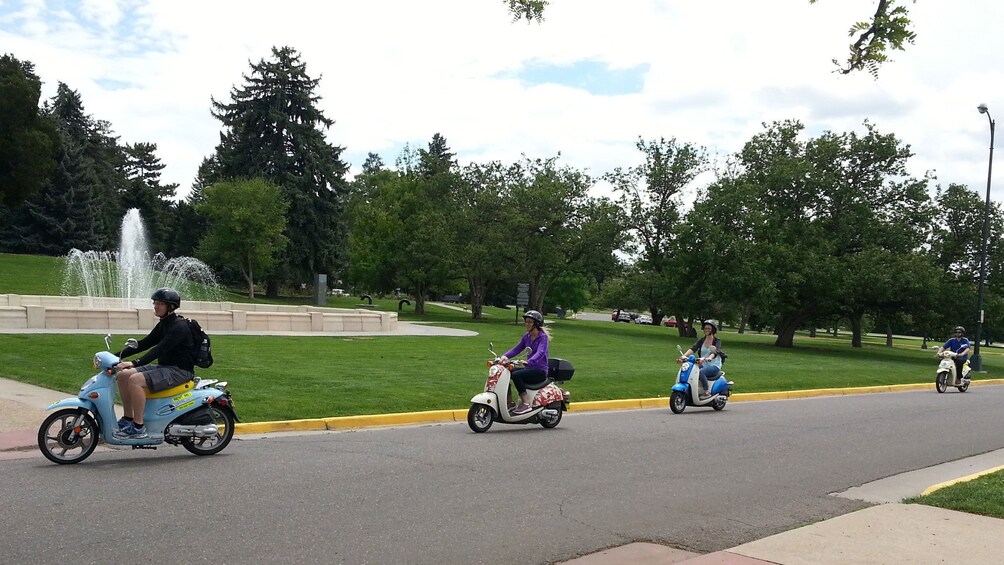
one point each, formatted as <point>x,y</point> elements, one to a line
<point>701,480</point>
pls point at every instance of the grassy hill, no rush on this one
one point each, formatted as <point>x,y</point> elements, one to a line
<point>30,274</point>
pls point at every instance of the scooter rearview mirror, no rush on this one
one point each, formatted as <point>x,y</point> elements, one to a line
<point>131,342</point>
<point>108,341</point>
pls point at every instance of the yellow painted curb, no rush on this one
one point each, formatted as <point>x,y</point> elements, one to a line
<point>439,416</point>
<point>352,422</point>
<point>940,486</point>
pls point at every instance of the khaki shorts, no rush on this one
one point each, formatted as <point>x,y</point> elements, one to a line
<point>160,378</point>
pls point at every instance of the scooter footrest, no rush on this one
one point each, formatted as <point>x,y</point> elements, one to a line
<point>144,447</point>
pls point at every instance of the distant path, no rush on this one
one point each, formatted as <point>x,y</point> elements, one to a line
<point>403,328</point>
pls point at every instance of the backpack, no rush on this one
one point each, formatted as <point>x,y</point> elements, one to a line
<point>203,353</point>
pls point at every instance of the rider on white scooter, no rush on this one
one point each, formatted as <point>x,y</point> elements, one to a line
<point>710,348</point>
<point>535,371</point>
<point>960,346</point>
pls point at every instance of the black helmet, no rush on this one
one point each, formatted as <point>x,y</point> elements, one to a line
<point>712,323</point>
<point>167,295</point>
<point>536,316</point>
<point>960,329</point>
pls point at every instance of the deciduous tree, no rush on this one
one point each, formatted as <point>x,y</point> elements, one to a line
<point>246,223</point>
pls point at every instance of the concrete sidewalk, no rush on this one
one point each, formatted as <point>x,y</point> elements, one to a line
<point>885,534</point>
<point>890,533</point>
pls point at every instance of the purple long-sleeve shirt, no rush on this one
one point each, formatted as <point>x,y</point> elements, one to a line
<point>538,350</point>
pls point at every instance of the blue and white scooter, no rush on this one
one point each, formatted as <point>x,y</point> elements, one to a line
<point>198,415</point>
<point>686,391</point>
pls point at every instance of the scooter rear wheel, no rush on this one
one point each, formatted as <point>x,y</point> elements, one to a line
<point>719,403</point>
<point>677,402</point>
<point>480,418</point>
<point>964,387</point>
<point>61,443</point>
<point>941,383</point>
<point>224,421</point>
<point>553,421</point>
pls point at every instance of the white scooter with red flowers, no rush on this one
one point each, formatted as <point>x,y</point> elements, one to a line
<point>495,403</point>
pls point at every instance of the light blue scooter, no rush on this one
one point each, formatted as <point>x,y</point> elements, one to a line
<point>198,415</point>
<point>686,391</point>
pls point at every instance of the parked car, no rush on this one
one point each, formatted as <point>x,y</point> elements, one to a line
<point>621,316</point>
<point>338,292</point>
<point>670,322</point>
<point>643,319</point>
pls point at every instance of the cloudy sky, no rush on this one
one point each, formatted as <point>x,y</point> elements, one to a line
<point>587,82</point>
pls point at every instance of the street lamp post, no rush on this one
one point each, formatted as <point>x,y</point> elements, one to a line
<point>977,362</point>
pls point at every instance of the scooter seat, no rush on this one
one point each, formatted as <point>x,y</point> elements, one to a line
<point>536,387</point>
<point>183,387</point>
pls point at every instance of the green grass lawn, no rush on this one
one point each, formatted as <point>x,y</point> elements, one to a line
<point>277,378</point>
<point>30,274</point>
<point>983,495</point>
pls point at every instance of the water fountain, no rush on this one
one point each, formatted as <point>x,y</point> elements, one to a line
<point>133,274</point>
<point>110,290</point>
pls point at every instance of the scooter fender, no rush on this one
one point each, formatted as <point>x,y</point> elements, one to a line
<point>74,403</point>
<point>680,387</point>
<point>720,386</point>
<point>489,399</point>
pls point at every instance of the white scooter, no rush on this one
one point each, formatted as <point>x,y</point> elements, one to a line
<point>549,400</point>
<point>946,371</point>
<point>687,390</point>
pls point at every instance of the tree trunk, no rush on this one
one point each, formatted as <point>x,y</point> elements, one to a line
<point>888,336</point>
<point>856,329</point>
<point>272,291</point>
<point>536,294</point>
<point>787,326</point>
<point>249,278</point>
<point>421,290</point>
<point>476,288</point>
<point>744,317</point>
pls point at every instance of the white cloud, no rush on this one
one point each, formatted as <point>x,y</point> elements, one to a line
<point>397,71</point>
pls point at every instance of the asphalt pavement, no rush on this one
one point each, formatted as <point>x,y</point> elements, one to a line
<point>888,532</point>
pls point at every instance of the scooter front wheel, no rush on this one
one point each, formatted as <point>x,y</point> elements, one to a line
<point>942,382</point>
<point>61,441</point>
<point>480,418</point>
<point>677,402</point>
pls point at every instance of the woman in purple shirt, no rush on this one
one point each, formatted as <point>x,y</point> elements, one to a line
<point>535,371</point>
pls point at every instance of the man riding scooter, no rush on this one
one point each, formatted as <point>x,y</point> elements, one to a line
<point>960,346</point>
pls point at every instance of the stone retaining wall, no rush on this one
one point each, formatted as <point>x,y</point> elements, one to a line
<point>84,312</point>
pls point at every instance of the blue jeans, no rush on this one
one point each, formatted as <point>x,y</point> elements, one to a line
<point>709,372</point>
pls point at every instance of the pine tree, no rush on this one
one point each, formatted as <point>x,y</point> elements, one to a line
<point>27,140</point>
<point>65,214</point>
<point>145,192</point>
<point>274,129</point>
